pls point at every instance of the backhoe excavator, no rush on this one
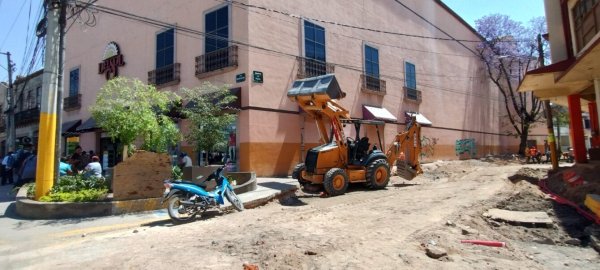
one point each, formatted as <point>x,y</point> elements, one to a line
<point>341,160</point>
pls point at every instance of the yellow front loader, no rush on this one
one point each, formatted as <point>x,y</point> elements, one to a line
<point>341,160</point>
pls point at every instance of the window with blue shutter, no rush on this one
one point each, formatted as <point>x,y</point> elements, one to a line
<point>165,48</point>
<point>217,29</point>
<point>73,82</point>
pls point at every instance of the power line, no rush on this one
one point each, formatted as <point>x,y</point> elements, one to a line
<point>181,29</point>
<point>349,37</point>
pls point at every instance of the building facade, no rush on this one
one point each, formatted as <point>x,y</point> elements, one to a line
<point>573,80</point>
<point>27,94</point>
<point>391,58</point>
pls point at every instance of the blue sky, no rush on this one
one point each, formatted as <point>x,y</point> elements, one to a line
<point>17,16</point>
<point>518,10</point>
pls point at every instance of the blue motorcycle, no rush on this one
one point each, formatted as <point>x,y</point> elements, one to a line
<point>186,199</point>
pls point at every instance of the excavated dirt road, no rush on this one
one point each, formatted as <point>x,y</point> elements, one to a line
<point>385,229</point>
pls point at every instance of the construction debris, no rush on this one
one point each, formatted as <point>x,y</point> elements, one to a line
<point>519,216</point>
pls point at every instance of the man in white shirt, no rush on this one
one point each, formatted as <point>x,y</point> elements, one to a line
<point>184,160</point>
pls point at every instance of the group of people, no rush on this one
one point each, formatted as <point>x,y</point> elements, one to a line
<point>81,162</point>
<point>19,167</point>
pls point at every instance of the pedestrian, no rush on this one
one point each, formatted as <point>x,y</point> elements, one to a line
<point>65,167</point>
<point>26,172</point>
<point>184,160</point>
<point>94,169</point>
<point>7,164</point>
<point>76,159</point>
<point>546,151</point>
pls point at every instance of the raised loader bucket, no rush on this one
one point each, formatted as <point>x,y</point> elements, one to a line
<point>323,87</point>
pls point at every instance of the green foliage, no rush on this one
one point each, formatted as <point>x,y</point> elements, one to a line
<point>74,183</point>
<point>84,195</point>
<point>176,173</point>
<point>30,190</point>
<point>128,109</point>
<point>77,188</point>
<point>208,118</point>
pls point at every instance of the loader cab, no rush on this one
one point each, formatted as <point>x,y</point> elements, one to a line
<point>359,148</point>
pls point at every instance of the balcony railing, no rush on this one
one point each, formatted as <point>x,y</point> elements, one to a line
<point>308,68</point>
<point>27,117</point>
<point>165,76</point>
<point>372,84</point>
<point>412,95</point>
<point>586,17</point>
<point>72,103</point>
<point>217,61</point>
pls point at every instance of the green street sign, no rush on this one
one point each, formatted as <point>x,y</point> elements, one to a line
<point>240,77</point>
<point>257,76</point>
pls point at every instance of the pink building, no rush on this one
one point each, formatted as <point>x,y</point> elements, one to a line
<point>389,57</point>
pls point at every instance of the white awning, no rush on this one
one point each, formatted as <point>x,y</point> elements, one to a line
<point>375,113</point>
<point>421,119</point>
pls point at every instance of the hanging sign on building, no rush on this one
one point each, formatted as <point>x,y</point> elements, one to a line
<point>112,60</point>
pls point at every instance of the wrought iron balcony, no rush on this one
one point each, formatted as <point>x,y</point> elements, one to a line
<point>412,94</point>
<point>308,68</point>
<point>27,117</point>
<point>217,61</point>
<point>165,76</point>
<point>372,84</point>
<point>72,103</point>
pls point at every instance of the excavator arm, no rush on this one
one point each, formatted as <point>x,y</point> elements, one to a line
<point>316,97</point>
<point>405,151</point>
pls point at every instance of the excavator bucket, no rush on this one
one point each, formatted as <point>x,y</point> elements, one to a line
<point>325,87</point>
<point>405,171</point>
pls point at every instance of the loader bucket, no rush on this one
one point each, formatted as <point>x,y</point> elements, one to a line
<point>326,86</point>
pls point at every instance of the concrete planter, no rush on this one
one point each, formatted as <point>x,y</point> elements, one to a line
<point>245,181</point>
<point>28,208</point>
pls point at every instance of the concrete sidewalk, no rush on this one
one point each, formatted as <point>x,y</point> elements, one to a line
<point>266,189</point>
<point>19,229</point>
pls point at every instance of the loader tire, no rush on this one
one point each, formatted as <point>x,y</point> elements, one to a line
<point>335,182</point>
<point>378,174</point>
<point>297,174</point>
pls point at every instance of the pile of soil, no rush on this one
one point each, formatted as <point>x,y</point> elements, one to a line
<point>575,193</point>
<point>569,228</point>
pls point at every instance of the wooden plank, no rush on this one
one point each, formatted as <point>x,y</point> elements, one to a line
<point>519,216</point>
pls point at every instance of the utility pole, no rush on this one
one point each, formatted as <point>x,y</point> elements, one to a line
<point>44,178</point>
<point>11,131</point>
<point>59,96</point>
<point>548,109</point>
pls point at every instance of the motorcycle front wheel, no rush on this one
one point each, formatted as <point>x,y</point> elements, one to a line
<point>234,200</point>
<point>179,212</point>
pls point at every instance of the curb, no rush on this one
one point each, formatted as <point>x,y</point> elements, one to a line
<point>28,208</point>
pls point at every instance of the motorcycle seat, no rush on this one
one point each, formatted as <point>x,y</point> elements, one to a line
<point>202,184</point>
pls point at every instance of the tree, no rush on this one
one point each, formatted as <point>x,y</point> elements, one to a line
<point>561,119</point>
<point>508,52</point>
<point>209,115</point>
<point>128,109</point>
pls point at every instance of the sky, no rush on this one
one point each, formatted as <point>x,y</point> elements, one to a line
<point>518,10</point>
<point>17,16</point>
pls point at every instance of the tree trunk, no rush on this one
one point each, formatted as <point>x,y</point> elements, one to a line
<point>125,154</point>
<point>558,148</point>
<point>523,143</point>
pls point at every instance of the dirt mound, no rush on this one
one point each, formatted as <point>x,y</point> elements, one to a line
<point>529,174</point>
<point>559,183</point>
